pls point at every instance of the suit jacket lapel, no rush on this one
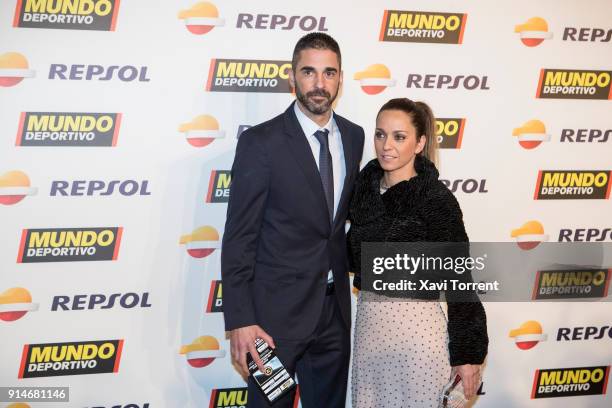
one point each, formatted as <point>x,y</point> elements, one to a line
<point>347,146</point>
<point>302,153</point>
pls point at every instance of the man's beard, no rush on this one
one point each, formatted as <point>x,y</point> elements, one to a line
<point>310,105</point>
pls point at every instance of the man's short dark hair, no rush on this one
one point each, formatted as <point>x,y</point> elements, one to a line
<point>318,41</point>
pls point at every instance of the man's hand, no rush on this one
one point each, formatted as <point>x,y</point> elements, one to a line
<point>470,376</point>
<point>242,340</point>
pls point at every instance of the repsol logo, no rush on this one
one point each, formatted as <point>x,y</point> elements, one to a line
<point>574,84</point>
<point>280,22</point>
<point>568,382</point>
<point>449,132</point>
<point>571,284</point>
<point>79,72</point>
<point>585,135</point>
<point>75,358</point>
<point>232,75</point>
<point>468,186</point>
<point>573,184</point>
<point>78,188</point>
<point>587,34</point>
<point>215,297</point>
<point>584,333</point>
<point>242,128</point>
<point>435,81</point>
<point>422,27</point>
<point>69,244</point>
<point>100,15</point>
<point>229,397</point>
<point>145,405</point>
<point>68,129</point>
<point>129,300</point>
<point>219,186</point>
<point>585,234</point>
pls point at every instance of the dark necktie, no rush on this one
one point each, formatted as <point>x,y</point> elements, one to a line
<point>326,170</point>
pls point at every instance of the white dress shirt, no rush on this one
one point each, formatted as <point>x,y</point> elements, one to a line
<point>335,149</point>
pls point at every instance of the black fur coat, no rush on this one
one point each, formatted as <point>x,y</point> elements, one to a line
<point>421,209</point>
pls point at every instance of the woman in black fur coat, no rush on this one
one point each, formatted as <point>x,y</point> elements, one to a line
<point>405,351</point>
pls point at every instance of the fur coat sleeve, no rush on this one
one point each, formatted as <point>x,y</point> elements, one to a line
<point>467,321</point>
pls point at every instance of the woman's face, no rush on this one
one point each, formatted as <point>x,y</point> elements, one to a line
<point>395,141</point>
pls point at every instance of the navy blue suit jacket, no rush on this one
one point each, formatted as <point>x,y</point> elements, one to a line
<point>279,243</point>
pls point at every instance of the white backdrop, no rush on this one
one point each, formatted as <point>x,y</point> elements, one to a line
<point>159,110</point>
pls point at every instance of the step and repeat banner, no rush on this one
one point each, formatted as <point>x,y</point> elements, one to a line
<point>118,127</point>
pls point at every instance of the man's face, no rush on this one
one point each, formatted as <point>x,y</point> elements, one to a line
<point>317,79</point>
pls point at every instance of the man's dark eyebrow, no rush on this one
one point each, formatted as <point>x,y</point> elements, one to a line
<point>309,68</point>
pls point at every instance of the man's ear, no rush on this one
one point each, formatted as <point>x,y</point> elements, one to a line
<point>291,78</point>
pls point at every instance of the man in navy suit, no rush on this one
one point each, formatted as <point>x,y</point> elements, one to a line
<point>284,256</point>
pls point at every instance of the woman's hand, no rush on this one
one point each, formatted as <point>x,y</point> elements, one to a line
<point>470,376</point>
